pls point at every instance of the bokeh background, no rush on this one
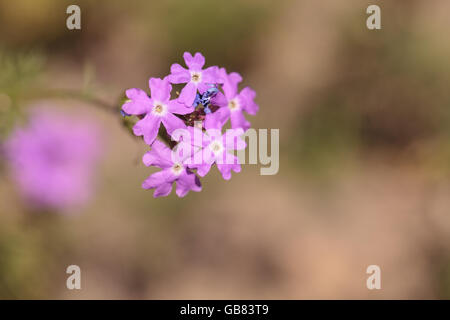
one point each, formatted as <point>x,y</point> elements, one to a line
<point>364,152</point>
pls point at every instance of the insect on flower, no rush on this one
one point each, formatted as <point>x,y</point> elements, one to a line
<point>205,98</point>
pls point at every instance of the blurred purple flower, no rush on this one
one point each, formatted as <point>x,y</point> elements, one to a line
<point>52,160</point>
<point>194,77</point>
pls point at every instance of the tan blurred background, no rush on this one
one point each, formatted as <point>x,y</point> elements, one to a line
<point>364,152</point>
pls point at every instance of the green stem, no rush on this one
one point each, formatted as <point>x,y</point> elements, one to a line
<point>70,94</point>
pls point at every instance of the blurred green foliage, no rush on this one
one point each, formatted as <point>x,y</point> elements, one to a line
<point>19,73</point>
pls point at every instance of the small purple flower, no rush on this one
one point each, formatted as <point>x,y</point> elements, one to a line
<point>155,109</point>
<point>52,160</point>
<point>161,156</point>
<point>214,147</point>
<point>194,77</point>
<point>233,104</point>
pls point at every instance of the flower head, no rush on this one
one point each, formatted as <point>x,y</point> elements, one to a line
<point>52,160</point>
<point>195,136</point>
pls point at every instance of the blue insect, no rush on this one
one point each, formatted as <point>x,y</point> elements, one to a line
<point>205,98</point>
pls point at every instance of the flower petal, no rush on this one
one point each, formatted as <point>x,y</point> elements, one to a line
<point>203,169</point>
<point>186,182</point>
<point>160,155</point>
<point>179,108</point>
<point>211,75</point>
<point>156,179</point>
<point>225,168</point>
<point>178,74</point>
<point>163,190</point>
<point>196,137</point>
<point>187,95</point>
<point>208,156</point>
<point>219,100</point>
<point>230,85</point>
<point>232,139</point>
<point>139,102</point>
<point>147,127</point>
<point>217,119</point>
<point>196,62</point>
<point>160,89</point>
<point>247,97</point>
<point>159,182</point>
<point>238,120</point>
<point>171,123</point>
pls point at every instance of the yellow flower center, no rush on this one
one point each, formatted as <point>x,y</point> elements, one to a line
<point>159,109</point>
<point>233,105</point>
<point>196,77</point>
<point>177,168</point>
<point>216,147</point>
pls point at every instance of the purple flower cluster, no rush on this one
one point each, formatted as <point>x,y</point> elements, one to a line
<point>194,119</point>
<point>53,158</point>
